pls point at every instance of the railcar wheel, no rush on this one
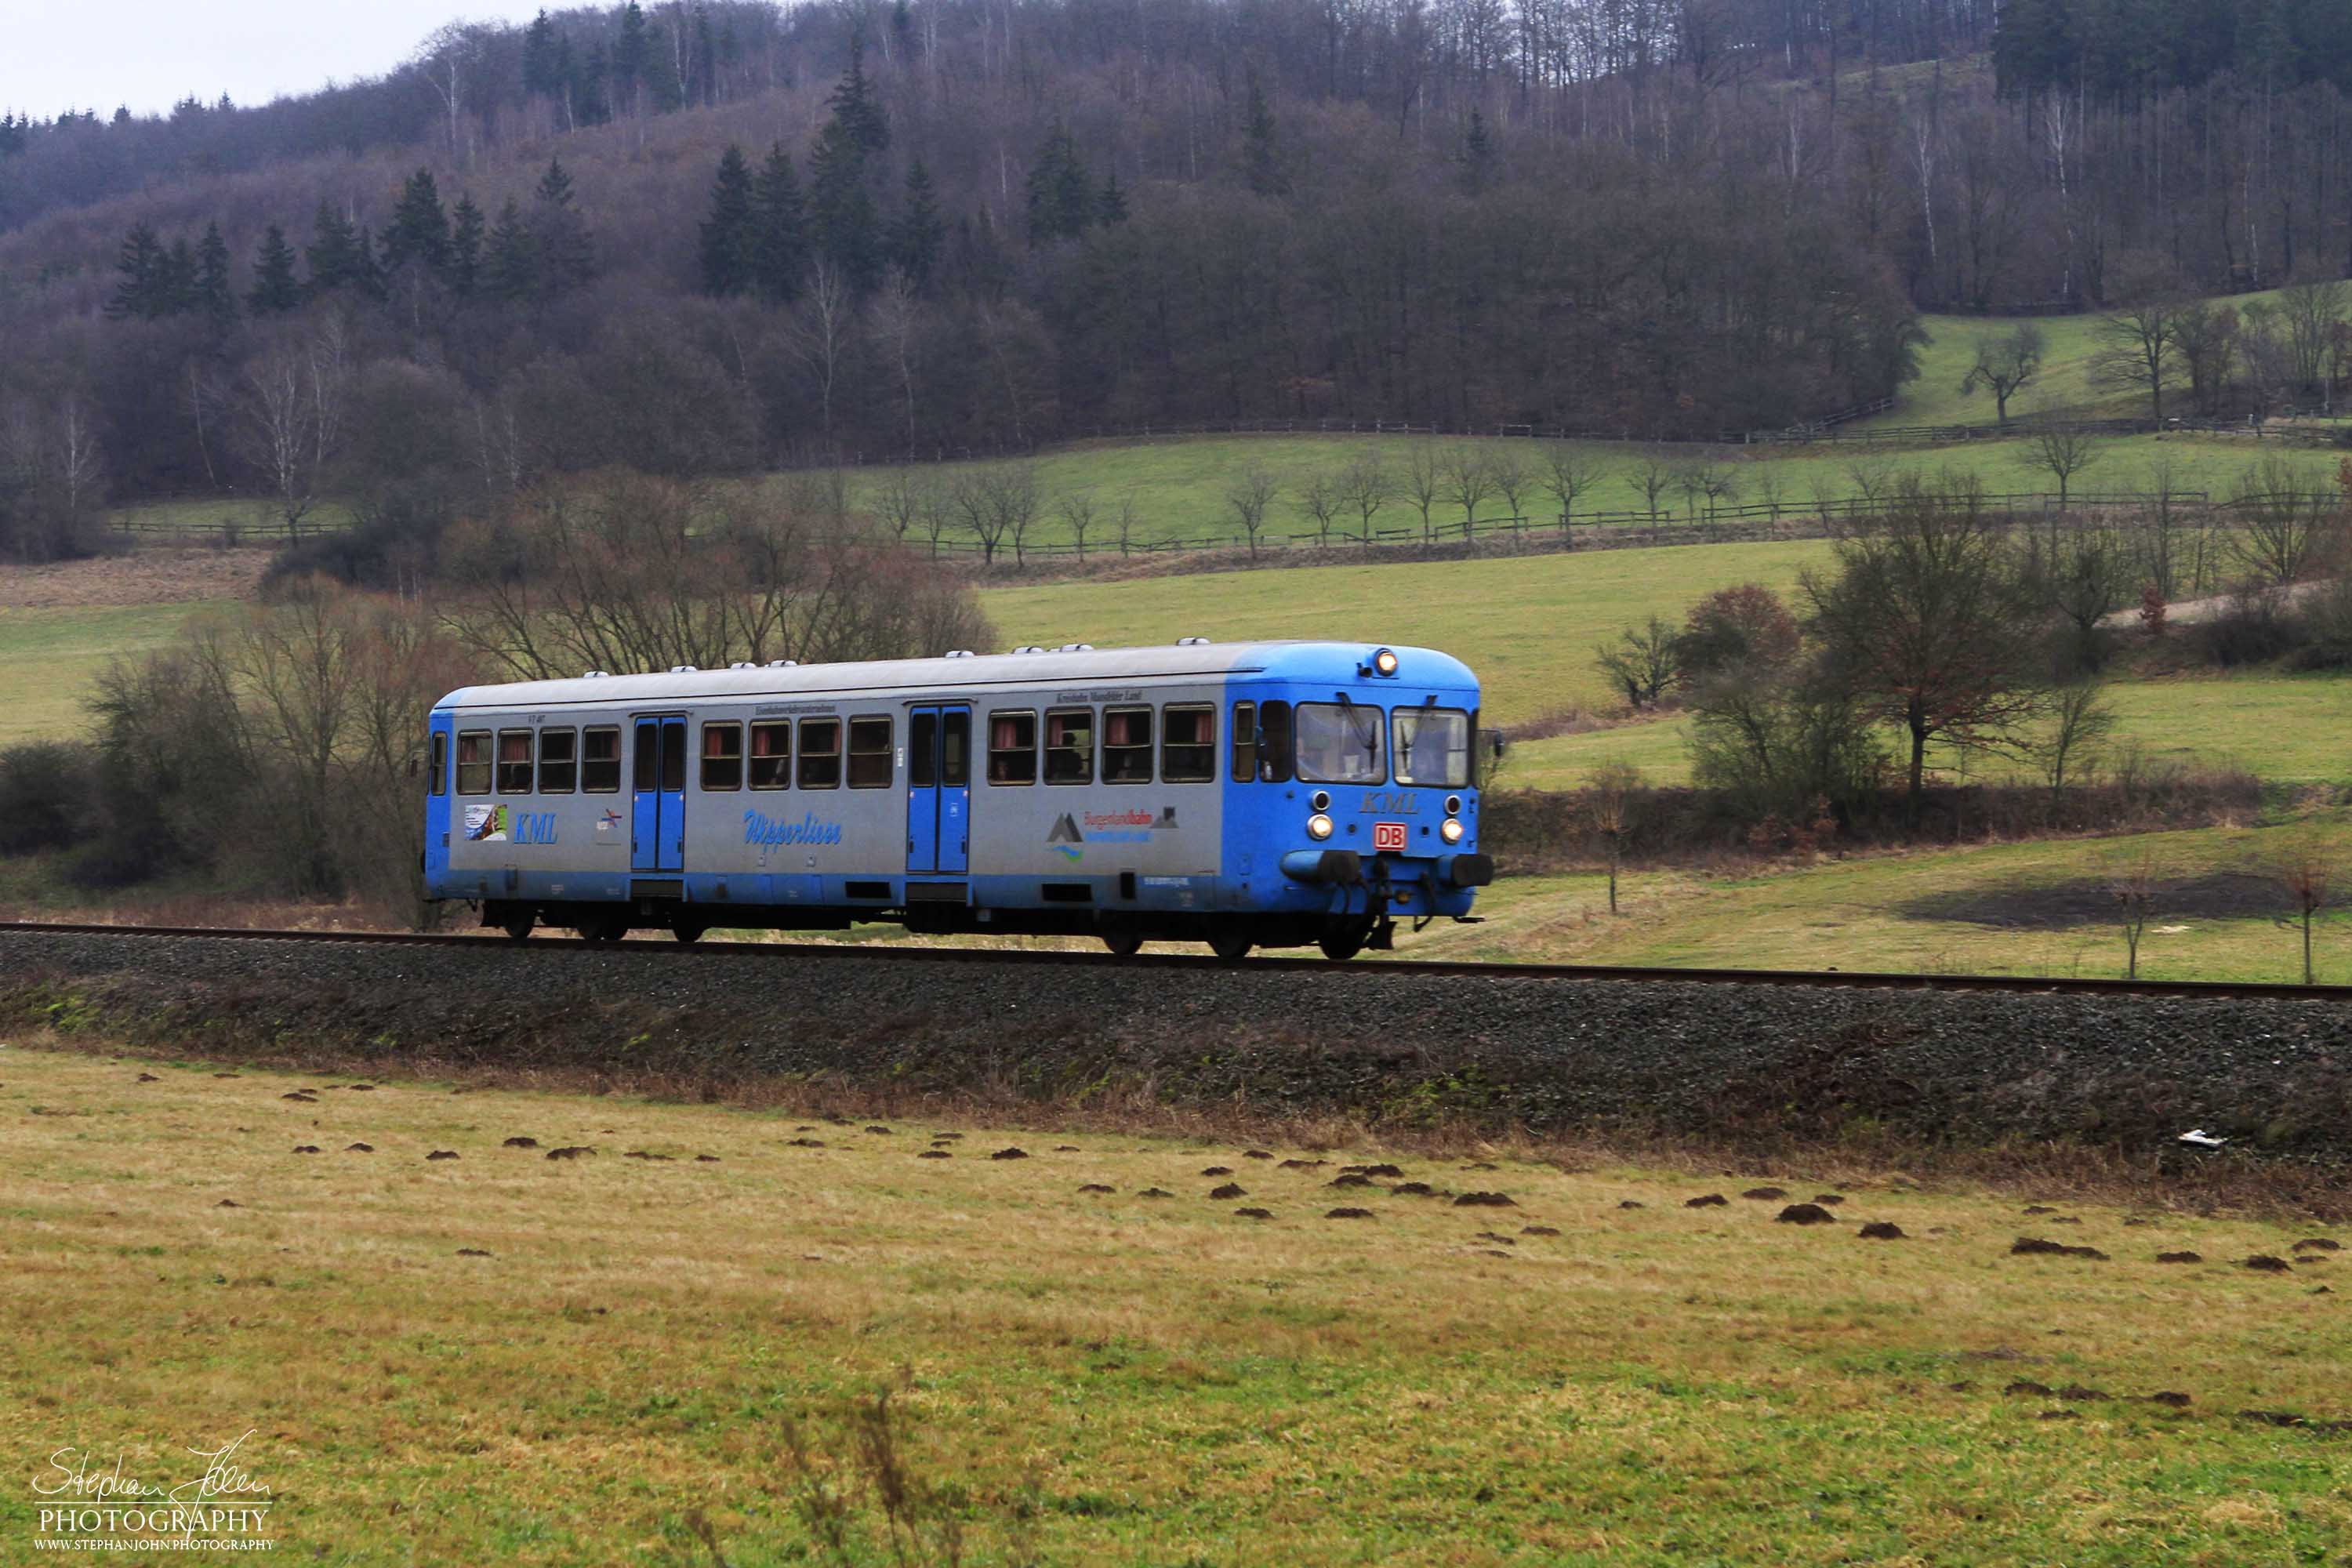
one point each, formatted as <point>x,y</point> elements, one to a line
<point>610,928</point>
<point>1232,946</point>
<point>690,930</point>
<point>1124,943</point>
<point>1341,944</point>
<point>518,927</point>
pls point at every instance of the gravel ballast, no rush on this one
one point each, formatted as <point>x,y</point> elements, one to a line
<point>1547,1054</point>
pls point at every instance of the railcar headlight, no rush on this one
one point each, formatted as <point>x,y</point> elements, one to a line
<point>1385,661</point>
<point>1452,830</point>
<point>1319,827</point>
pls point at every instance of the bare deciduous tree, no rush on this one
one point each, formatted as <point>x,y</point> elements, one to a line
<point>1510,475</point>
<point>1570,471</point>
<point>819,332</point>
<point>2080,723</point>
<point>1321,499</point>
<point>996,502</point>
<point>1653,476</point>
<point>292,418</point>
<point>1366,486</point>
<point>2284,533</point>
<point>2135,887</point>
<point>2005,364</point>
<point>1643,662</point>
<point>1076,509</point>
<point>2304,874</point>
<point>1611,797</point>
<point>897,319</point>
<point>1424,479</point>
<point>2063,451</point>
<point>900,500</point>
<point>1247,496</point>
<point>1469,480</point>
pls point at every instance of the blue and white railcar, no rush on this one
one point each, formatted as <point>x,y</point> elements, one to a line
<point>1264,793</point>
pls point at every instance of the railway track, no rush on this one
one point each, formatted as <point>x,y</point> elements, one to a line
<point>1815,978</point>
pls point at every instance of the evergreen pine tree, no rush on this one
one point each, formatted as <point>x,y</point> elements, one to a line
<point>917,232</point>
<point>855,108</point>
<point>1259,163</point>
<point>332,255</point>
<point>140,265</point>
<point>564,258</point>
<point>1110,206</point>
<point>730,256</point>
<point>213,298</point>
<point>419,230</point>
<point>464,264</point>
<point>841,212</point>
<point>1061,205</point>
<point>541,69</point>
<point>367,275</point>
<point>509,259</point>
<point>780,242</point>
<point>703,87</point>
<point>633,52</point>
<point>177,292</point>
<point>275,288</point>
<point>591,86</point>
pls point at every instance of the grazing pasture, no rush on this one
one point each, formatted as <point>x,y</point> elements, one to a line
<point>613,1356</point>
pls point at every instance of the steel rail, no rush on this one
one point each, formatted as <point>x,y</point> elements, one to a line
<point>1432,969</point>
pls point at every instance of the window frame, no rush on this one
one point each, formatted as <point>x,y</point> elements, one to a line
<point>1243,769</point>
<point>571,785</point>
<point>1470,740</point>
<point>783,760</point>
<point>850,753</point>
<point>586,730</point>
<point>724,731</point>
<point>800,773</point>
<point>1029,751</point>
<point>1045,747</point>
<point>1208,771</point>
<point>1276,759</point>
<point>528,764</point>
<point>1381,729</point>
<point>438,763</point>
<point>486,741</point>
<point>1146,746</point>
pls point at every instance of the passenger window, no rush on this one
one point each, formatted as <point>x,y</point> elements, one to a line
<point>1245,743</point>
<point>1127,745</point>
<point>820,753</point>
<point>559,761</point>
<point>439,767</point>
<point>474,762</point>
<point>922,751</point>
<point>600,761</point>
<point>955,749</point>
<point>1274,754</point>
<point>673,757</point>
<point>514,762</point>
<point>1188,744</point>
<point>1070,746</point>
<point>870,763</point>
<point>723,756</point>
<point>1012,748</point>
<point>772,755</point>
<point>647,773</point>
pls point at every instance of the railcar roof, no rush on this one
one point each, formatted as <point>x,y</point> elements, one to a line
<point>1288,659</point>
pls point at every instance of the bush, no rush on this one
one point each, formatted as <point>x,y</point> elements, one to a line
<point>49,795</point>
<point>2252,627</point>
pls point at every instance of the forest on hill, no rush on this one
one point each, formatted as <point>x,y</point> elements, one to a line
<point>702,238</point>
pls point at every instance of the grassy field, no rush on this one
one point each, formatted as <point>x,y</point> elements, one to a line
<point>2044,907</point>
<point>49,659</point>
<point>1112,1378</point>
<point>2290,729</point>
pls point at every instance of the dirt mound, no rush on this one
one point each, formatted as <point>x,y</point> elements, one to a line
<point>442,1155</point>
<point>1254,1214</point>
<point>2264,1263</point>
<point>1014,1152</point>
<point>2033,1245</point>
<point>1804,1213</point>
<point>1765,1194</point>
<point>1883,1230</point>
<point>519,1143</point>
<point>1706,1201</point>
<point>1484,1201</point>
<point>2179,1257</point>
<point>1229,1191</point>
<point>1348,1214</point>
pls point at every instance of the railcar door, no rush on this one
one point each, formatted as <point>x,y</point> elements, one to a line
<point>657,824</point>
<point>939,790</point>
<point>923,791</point>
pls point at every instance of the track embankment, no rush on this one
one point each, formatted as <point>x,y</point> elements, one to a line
<point>1550,1054</point>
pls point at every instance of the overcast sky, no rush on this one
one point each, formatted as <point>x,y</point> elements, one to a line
<point>150,54</point>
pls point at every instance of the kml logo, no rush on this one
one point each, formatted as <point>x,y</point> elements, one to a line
<point>1395,801</point>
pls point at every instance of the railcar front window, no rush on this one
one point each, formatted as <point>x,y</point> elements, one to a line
<point>600,761</point>
<point>1012,748</point>
<point>820,753</point>
<point>1339,744</point>
<point>1070,746</point>
<point>772,755</point>
<point>1188,744</point>
<point>870,763</point>
<point>559,761</point>
<point>514,762</point>
<point>1127,745</point>
<point>474,762</point>
<point>1433,747</point>
<point>723,756</point>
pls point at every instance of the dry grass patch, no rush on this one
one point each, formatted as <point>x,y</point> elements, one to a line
<point>1089,1379</point>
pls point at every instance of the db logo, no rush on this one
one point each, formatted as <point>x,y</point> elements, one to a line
<point>1388,836</point>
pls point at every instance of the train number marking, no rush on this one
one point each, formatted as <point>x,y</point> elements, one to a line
<point>1388,836</point>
